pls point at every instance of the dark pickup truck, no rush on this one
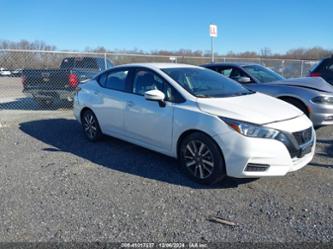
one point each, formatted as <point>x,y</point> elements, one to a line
<point>323,69</point>
<point>48,85</point>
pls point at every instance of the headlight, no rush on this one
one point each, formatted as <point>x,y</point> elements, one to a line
<point>323,100</point>
<point>251,130</point>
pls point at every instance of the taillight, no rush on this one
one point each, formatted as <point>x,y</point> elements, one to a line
<point>73,80</point>
<point>313,74</point>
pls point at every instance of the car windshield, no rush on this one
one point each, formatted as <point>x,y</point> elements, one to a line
<point>204,83</point>
<point>262,74</point>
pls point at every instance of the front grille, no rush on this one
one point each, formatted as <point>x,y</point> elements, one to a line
<point>303,137</point>
<point>299,143</point>
<point>293,152</point>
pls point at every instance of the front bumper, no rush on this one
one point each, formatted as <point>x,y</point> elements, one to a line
<point>240,151</point>
<point>321,114</point>
<point>321,119</point>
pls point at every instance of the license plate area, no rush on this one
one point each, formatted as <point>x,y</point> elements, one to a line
<point>46,95</point>
<point>305,150</point>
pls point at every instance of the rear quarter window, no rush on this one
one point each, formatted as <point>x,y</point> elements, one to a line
<point>102,79</point>
<point>324,65</point>
<point>114,80</point>
<point>330,66</point>
<point>225,71</point>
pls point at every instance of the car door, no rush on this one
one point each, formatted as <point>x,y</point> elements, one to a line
<point>112,94</point>
<point>148,122</point>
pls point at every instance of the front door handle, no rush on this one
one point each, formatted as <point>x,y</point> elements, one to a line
<point>130,104</point>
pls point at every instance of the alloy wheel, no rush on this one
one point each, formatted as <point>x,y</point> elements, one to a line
<point>199,159</point>
<point>90,125</point>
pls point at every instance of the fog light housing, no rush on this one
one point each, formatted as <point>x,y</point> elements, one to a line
<point>255,167</point>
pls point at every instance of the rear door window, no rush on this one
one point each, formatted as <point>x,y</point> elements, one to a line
<point>236,74</point>
<point>231,72</point>
<point>225,71</point>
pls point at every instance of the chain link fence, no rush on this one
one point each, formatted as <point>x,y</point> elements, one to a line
<point>46,80</point>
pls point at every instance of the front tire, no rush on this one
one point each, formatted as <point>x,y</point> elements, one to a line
<point>201,159</point>
<point>91,126</point>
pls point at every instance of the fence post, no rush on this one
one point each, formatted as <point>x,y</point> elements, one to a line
<point>302,68</point>
<point>105,63</point>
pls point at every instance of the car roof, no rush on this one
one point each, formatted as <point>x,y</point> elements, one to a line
<point>233,64</point>
<point>158,65</point>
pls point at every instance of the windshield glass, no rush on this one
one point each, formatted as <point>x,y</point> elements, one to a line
<point>262,74</point>
<point>204,83</point>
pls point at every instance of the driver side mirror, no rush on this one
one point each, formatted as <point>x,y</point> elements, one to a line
<point>244,80</point>
<point>155,95</point>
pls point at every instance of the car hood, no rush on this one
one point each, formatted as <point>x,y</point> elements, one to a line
<point>316,83</point>
<point>255,108</point>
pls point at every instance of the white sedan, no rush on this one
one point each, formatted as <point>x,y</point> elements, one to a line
<point>213,125</point>
<point>4,72</point>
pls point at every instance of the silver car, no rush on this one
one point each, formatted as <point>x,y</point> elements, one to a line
<point>314,96</point>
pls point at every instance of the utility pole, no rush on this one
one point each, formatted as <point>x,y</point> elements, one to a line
<point>212,49</point>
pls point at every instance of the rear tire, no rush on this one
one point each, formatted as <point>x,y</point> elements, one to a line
<point>201,159</point>
<point>91,126</point>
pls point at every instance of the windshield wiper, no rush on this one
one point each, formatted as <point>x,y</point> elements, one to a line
<point>246,93</point>
<point>202,96</point>
<point>241,94</point>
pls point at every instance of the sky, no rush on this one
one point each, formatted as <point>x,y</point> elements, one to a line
<point>170,24</point>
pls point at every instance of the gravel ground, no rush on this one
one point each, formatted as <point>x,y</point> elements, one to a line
<point>57,186</point>
<point>11,87</point>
